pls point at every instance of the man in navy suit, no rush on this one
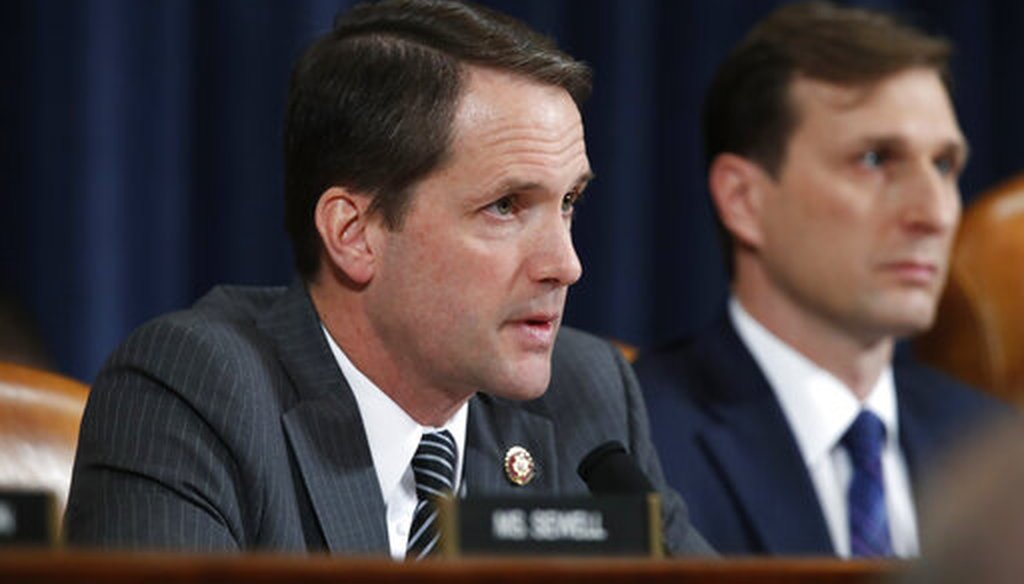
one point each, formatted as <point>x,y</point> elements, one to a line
<point>834,154</point>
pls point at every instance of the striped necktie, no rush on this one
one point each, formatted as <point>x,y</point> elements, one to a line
<point>869,522</point>
<point>433,465</point>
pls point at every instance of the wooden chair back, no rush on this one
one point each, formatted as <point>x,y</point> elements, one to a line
<point>39,417</point>
<point>979,330</point>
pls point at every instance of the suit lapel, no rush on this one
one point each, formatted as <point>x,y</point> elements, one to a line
<point>493,427</point>
<point>757,454</point>
<point>917,437</point>
<point>325,431</point>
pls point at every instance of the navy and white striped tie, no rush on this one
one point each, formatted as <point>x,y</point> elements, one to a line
<point>433,465</point>
<point>869,522</point>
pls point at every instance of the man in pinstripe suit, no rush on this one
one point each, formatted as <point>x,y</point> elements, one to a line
<point>434,152</point>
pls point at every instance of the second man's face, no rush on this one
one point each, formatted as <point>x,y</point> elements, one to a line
<point>859,223</point>
<point>474,283</point>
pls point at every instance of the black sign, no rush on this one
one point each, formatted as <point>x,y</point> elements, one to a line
<point>607,526</point>
<point>27,518</point>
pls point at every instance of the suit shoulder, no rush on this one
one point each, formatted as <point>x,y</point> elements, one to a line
<point>675,351</point>
<point>223,311</point>
<point>570,338</point>
<point>585,370</point>
<point>221,320</point>
<point>671,367</point>
<point>202,351</point>
<point>577,352</point>
<point>237,303</point>
<point>939,395</point>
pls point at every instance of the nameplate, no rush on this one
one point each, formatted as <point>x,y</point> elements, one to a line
<point>27,518</point>
<point>578,526</point>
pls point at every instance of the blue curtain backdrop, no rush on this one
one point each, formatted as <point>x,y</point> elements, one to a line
<point>140,151</point>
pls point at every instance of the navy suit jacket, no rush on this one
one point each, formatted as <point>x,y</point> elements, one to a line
<point>726,446</point>
<point>230,427</point>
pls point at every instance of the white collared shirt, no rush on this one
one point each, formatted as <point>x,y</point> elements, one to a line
<point>819,409</point>
<point>393,437</point>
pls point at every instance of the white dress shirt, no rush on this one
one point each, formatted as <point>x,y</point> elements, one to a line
<point>819,409</point>
<point>393,437</point>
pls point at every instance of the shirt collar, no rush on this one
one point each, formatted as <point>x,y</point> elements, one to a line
<point>818,406</point>
<point>392,434</point>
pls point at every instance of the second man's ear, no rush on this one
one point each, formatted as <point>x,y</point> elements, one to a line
<point>342,219</point>
<point>738,187</point>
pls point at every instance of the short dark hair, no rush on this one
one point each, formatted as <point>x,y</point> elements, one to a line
<point>372,102</point>
<point>748,108</point>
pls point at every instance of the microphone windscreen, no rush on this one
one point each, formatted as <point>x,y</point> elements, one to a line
<point>610,470</point>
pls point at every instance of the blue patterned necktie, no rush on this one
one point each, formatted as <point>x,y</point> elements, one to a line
<point>433,465</point>
<point>869,522</point>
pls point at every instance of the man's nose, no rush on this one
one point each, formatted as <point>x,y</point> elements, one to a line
<point>931,200</point>
<point>555,258</point>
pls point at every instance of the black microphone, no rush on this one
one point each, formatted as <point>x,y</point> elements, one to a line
<point>610,470</point>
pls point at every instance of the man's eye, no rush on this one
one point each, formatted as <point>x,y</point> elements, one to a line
<point>872,159</point>
<point>503,206</point>
<point>568,202</point>
<point>946,166</point>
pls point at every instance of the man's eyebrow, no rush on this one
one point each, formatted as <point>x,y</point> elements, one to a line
<point>514,185</point>
<point>894,139</point>
<point>883,141</point>
<point>585,178</point>
<point>965,153</point>
<point>581,184</point>
<point>961,148</point>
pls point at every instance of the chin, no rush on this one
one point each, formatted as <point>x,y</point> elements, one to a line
<point>910,323</point>
<point>523,383</point>
<point>908,314</point>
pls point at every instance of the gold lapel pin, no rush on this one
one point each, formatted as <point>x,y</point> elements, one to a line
<point>519,467</point>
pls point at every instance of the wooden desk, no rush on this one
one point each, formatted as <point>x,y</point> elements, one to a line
<point>45,567</point>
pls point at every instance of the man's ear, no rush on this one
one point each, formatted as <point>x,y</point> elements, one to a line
<point>738,187</point>
<point>342,220</point>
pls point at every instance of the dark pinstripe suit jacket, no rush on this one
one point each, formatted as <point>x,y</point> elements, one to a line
<point>230,427</point>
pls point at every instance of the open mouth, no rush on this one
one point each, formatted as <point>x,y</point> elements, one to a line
<point>536,331</point>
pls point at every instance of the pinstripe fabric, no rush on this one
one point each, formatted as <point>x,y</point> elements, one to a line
<point>230,427</point>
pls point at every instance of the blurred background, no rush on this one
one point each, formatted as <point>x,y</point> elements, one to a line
<point>140,152</point>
